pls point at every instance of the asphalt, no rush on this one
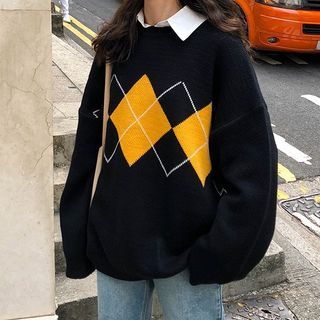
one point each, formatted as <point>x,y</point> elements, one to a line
<point>300,293</point>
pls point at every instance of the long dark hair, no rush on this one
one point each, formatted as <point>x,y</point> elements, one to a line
<point>117,37</point>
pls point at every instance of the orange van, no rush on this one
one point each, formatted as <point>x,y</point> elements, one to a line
<point>283,25</point>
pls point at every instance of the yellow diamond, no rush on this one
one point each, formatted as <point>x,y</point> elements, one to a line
<point>139,120</point>
<point>191,136</point>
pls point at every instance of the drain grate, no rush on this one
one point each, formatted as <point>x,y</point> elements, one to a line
<point>306,209</point>
<point>264,308</point>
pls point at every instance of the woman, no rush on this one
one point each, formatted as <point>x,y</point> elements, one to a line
<point>186,199</point>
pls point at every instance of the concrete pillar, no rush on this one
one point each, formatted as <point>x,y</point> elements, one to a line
<point>26,176</point>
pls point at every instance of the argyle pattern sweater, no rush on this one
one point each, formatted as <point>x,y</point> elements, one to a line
<point>189,175</point>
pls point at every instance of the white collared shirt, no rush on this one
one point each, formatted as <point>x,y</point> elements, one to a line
<point>183,22</point>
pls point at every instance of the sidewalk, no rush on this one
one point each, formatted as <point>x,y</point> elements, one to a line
<point>294,253</point>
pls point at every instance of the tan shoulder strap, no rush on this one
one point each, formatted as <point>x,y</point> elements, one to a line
<point>106,102</point>
<point>104,129</point>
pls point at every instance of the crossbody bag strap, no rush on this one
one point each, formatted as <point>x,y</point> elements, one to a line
<point>105,116</point>
<point>106,102</point>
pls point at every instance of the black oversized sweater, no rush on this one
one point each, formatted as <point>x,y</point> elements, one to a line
<point>189,176</point>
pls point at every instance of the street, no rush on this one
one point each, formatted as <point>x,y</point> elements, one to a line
<point>290,84</point>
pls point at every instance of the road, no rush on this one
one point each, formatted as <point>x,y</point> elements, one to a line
<point>290,85</point>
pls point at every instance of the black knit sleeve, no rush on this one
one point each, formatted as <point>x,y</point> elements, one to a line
<point>244,162</point>
<point>76,196</point>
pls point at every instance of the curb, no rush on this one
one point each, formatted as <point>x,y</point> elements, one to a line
<point>74,64</point>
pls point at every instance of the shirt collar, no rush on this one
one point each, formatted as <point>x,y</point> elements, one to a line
<point>183,22</point>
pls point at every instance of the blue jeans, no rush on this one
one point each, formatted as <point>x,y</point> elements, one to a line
<point>179,300</point>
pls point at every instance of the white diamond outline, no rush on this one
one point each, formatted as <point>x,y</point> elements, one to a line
<point>133,123</point>
<point>114,76</point>
<point>95,112</point>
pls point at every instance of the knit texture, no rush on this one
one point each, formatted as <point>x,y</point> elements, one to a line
<point>189,177</point>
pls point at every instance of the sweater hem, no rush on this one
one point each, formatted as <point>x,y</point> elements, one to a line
<point>121,276</point>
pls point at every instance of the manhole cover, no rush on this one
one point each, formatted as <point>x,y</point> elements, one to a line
<point>306,209</point>
<point>270,307</point>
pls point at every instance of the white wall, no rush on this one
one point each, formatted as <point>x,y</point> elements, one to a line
<point>26,174</point>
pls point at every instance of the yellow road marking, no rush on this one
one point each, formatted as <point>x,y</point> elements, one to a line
<point>285,173</point>
<point>77,33</point>
<point>304,189</point>
<point>281,195</point>
<point>83,27</point>
<point>57,8</point>
<point>79,24</point>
